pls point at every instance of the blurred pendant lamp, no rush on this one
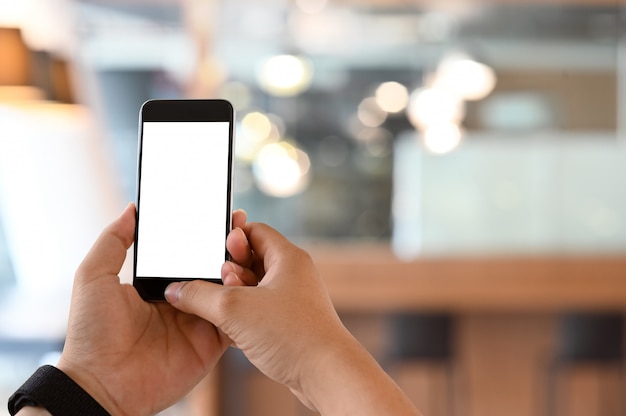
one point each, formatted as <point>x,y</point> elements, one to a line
<point>13,57</point>
<point>31,75</point>
<point>15,66</point>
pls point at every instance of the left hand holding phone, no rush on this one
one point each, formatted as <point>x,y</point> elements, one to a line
<point>133,357</point>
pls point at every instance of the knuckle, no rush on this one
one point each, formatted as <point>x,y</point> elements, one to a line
<point>211,303</point>
<point>301,256</point>
<point>189,293</point>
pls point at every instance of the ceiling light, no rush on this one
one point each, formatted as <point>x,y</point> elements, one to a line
<point>465,77</point>
<point>285,75</point>
<point>281,170</point>
<point>441,138</point>
<point>392,97</point>
<point>434,106</point>
<point>255,130</point>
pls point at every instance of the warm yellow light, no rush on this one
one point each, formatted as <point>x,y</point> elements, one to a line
<point>370,114</point>
<point>441,138</point>
<point>392,97</point>
<point>281,170</point>
<point>434,106</point>
<point>468,79</point>
<point>285,75</point>
<point>257,123</point>
<point>12,94</point>
<point>255,130</point>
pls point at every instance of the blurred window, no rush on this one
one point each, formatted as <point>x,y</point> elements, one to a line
<point>512,110</point>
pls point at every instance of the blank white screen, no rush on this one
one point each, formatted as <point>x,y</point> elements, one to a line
<point>183,199</point>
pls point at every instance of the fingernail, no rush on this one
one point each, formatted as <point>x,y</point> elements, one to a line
<point>242,235</point>
<point>235,267</point>
<point>232,279</point>
<point>172,291</point>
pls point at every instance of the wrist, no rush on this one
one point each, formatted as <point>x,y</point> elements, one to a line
<point>321,370</point>
<point>91,384</point>
<point>348,381</point>
<point>33,411</point>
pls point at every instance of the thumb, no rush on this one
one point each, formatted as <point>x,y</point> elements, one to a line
<point>203,299</point>
<point>107,254</point>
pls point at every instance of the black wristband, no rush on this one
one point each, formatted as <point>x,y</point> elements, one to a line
<point>53,390</point>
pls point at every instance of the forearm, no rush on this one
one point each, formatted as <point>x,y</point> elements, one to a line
<point>349,381</point>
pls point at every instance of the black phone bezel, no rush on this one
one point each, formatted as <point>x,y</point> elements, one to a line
<point>184,110</point>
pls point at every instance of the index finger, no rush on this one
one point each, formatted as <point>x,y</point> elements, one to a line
<point>239,218</point>
<point>268,244</point>
<point>108,253</point>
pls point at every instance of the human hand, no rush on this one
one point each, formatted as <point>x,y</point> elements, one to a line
<point>134,357</point>
<point>276,323</point>
<point>288,327</point>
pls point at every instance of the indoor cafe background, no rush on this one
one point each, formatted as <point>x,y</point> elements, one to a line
<point>456,168</point>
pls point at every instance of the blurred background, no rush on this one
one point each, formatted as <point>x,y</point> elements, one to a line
<point>456,168</point>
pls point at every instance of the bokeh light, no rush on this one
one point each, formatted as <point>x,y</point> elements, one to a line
<point>256,129</point>
<point>370,114</point>
<point>465,77</point>
<point>441,138</point>
<point>433,106</point>
<point>281,170</point>
<point>392,97</point>
<point>285,75</point>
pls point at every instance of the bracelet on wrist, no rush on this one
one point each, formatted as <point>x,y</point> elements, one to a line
<point>55,391</point>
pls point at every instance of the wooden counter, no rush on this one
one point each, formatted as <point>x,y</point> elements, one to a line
<point>370,278</point>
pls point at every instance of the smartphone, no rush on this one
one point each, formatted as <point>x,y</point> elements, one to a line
<point>184,198</point>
